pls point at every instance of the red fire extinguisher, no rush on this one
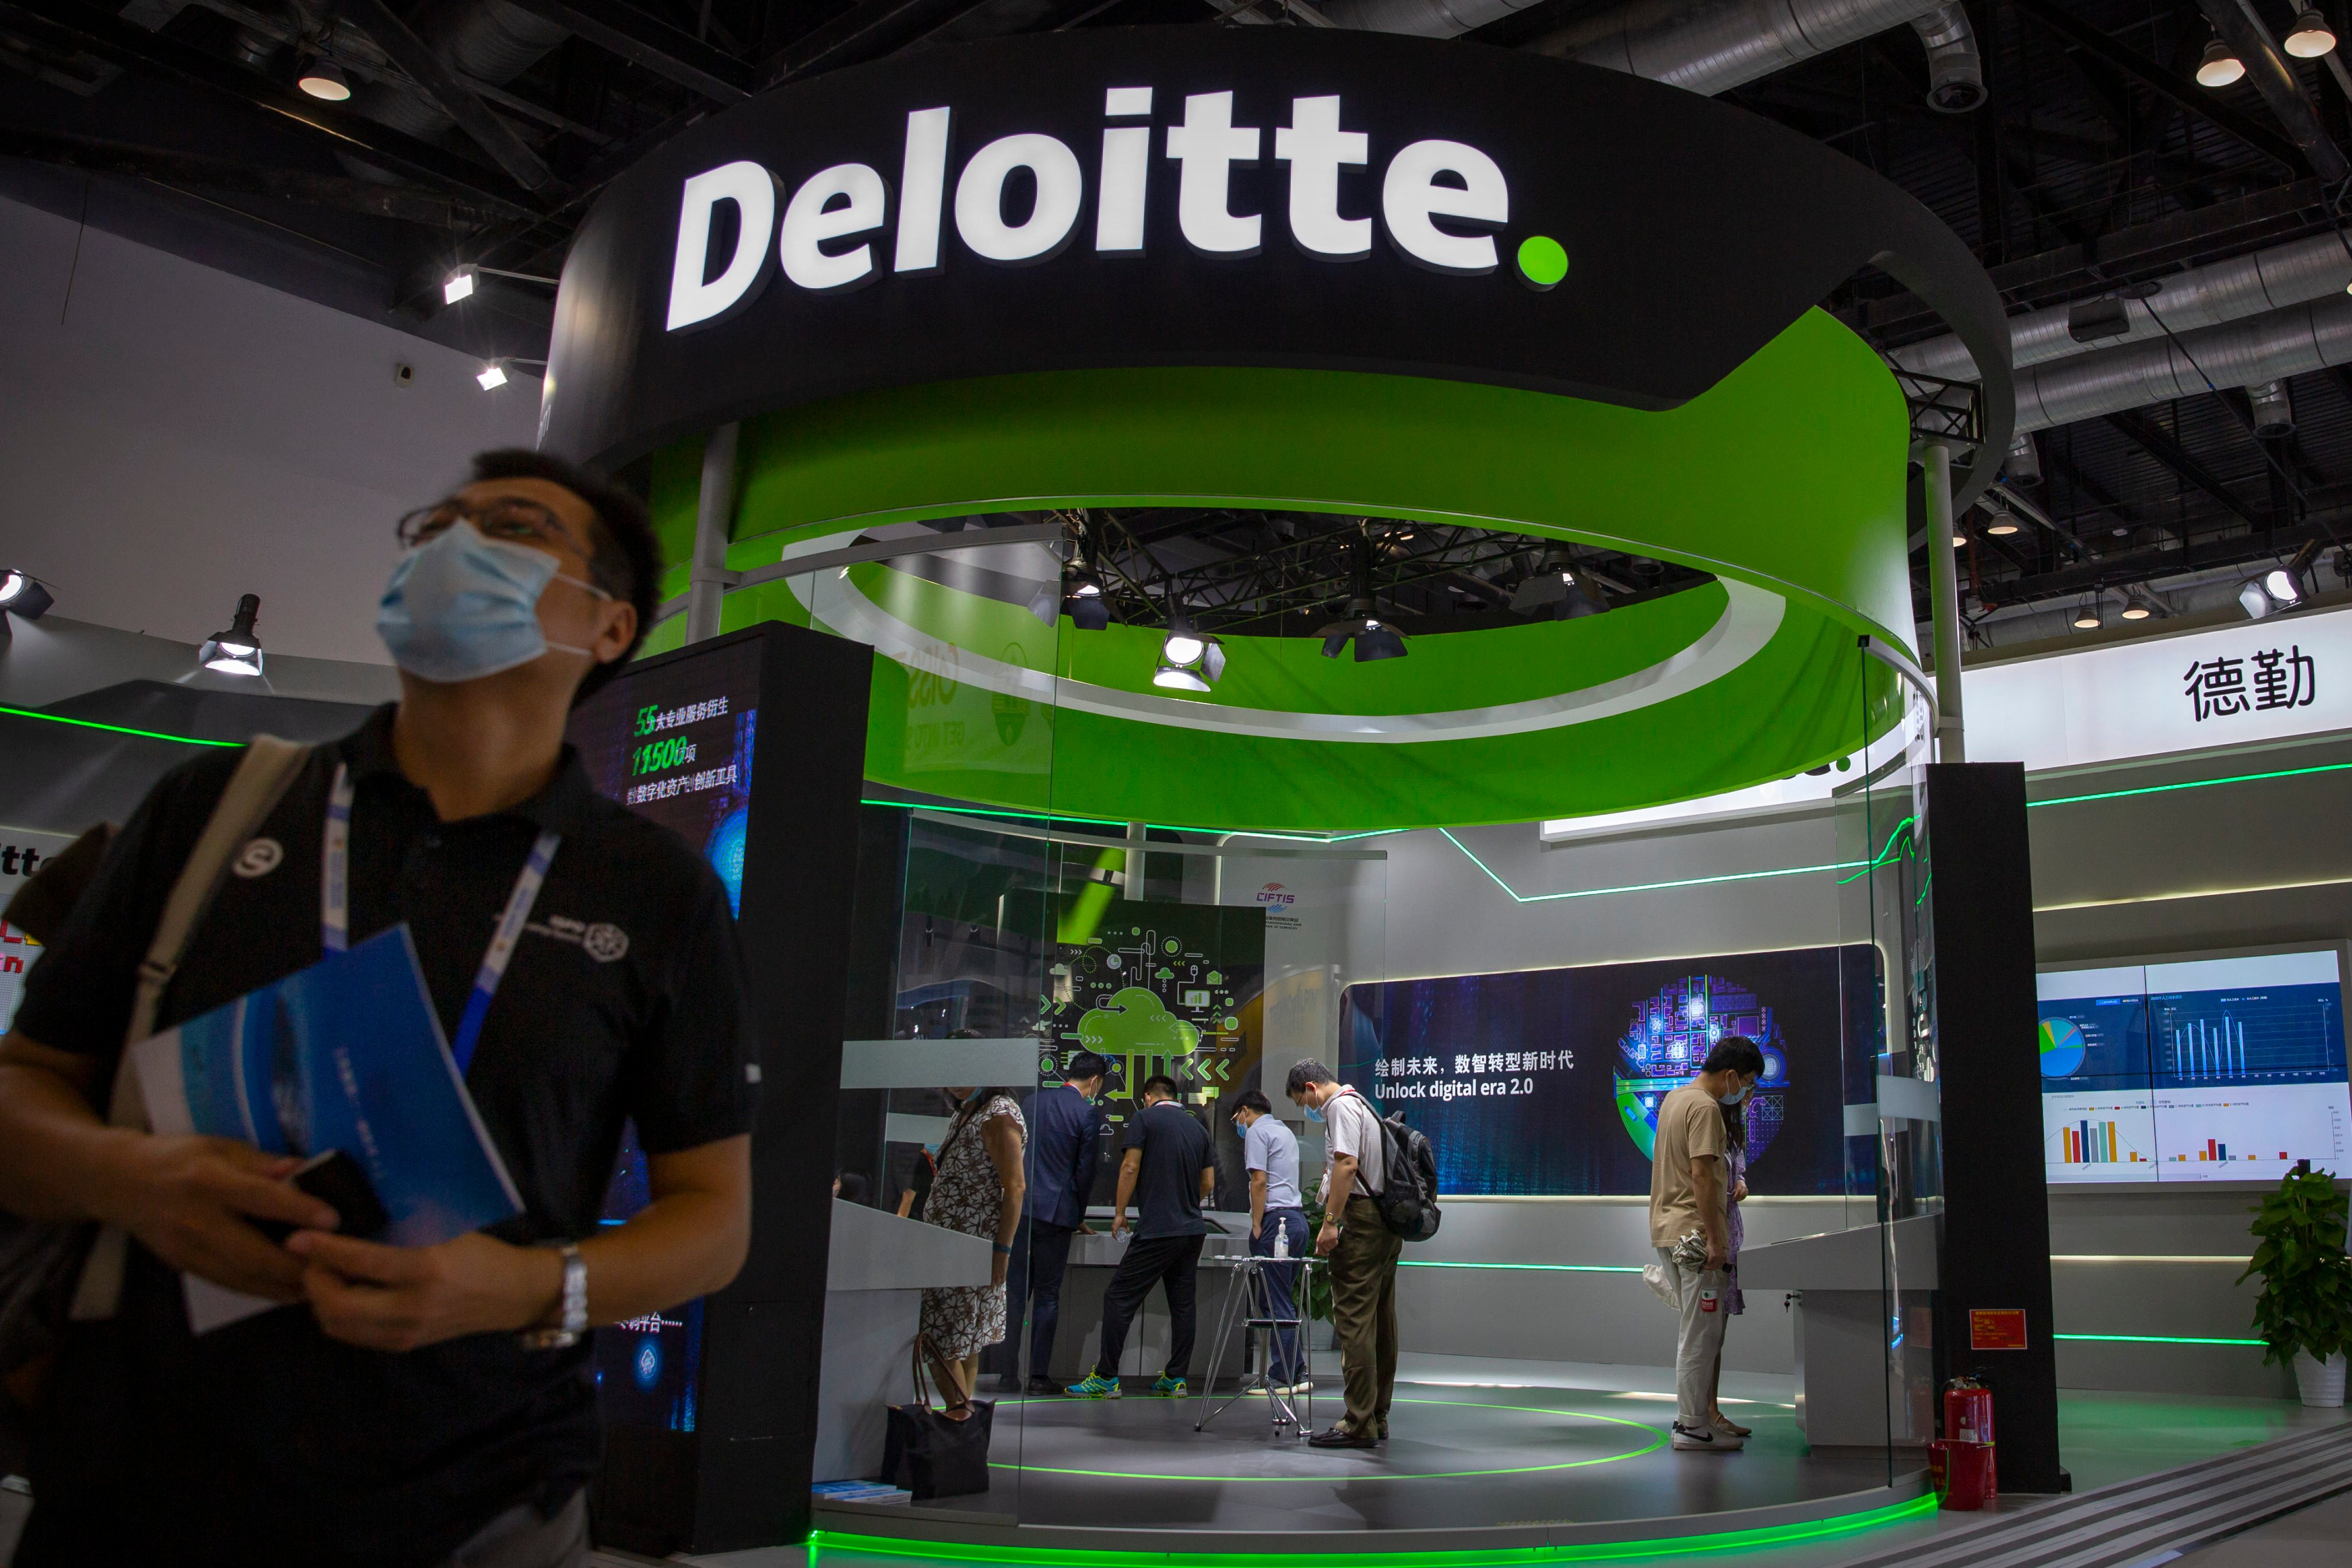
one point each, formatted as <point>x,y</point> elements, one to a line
<point>1962,1462</point>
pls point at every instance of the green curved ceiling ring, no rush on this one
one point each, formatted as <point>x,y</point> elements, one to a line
<point>1785,480</point>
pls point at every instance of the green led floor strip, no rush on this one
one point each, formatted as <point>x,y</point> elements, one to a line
<point>115,729</point>
<point>1658,1439</point>
<point>1545,1268</point>
<point>827,1542</point>
<point>2157,1339</point>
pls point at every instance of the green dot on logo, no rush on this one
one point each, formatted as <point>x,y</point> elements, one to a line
<point>1542,262</point>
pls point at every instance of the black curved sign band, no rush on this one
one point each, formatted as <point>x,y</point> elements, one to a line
<point>1208,197</point>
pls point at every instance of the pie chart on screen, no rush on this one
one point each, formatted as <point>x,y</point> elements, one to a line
<point>2063,1046</point>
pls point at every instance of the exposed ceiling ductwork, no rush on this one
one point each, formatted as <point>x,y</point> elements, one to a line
<point>1709,46</point>
<point>487,40</point>
<point>2269,347</point>
<point>2201,297</point>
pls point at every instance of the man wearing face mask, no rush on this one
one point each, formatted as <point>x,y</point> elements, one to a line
<point>1688,1216</point>
<point>405,1406</point>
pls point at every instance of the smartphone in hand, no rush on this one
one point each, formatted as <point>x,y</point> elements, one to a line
<point>338,1181</point>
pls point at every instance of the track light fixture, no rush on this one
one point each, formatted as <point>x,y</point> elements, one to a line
<point>493,373</point>
<point>2311,36</point>
<point>1082,591</point>
<point>1361,625</point>
<point>323,79</point>
<point>2280,587</point>
<point>1555,588</point>
<point>237,651</point>
<point>1189,660</point>
<point>22,596</point>
<point>460,284</point>
<point>2218,68</point>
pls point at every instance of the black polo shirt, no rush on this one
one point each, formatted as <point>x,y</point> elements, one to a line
<point>1176,1149</point>
<point>266,1441</point>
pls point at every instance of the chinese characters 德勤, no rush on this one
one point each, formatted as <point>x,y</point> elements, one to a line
<point>2220,687</point>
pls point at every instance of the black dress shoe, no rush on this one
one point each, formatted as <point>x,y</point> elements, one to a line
<point>1042,1386</point>
<point>1340,1437</point>
<point>1384,1428</point>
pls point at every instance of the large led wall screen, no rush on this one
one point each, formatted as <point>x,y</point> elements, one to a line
<point>1546,1082</point>
<point>2220,1070</point>
<point>672,742</point>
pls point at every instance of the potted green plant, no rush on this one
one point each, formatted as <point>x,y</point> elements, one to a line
<point>2304,1312</point>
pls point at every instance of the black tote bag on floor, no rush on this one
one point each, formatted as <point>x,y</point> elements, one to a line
<point>930,1454</point>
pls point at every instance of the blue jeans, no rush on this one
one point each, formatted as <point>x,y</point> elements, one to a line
<point>1281,1284</point>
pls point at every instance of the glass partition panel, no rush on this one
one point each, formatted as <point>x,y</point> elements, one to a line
<point>1892,1157</point>
<point>946,1046</point>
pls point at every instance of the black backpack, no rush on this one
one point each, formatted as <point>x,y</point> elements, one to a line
<point>1408,1202</point>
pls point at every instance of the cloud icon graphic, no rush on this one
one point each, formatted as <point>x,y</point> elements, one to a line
<point>1135,1023</point>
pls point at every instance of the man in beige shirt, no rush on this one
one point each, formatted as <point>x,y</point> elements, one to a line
<point>1687,1199</point>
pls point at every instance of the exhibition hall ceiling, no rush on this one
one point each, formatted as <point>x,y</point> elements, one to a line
<point>2067,142</point>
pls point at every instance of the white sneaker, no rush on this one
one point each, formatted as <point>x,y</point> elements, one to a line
<point>1709,1440</point>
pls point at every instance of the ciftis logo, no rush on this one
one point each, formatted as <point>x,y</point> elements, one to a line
<point>1276,895</point>
<point>1440,202</point>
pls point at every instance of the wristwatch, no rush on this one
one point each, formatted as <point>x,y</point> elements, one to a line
<point>571,1318</point>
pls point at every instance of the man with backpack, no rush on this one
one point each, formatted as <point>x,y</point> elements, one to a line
<point>1363,1252</point>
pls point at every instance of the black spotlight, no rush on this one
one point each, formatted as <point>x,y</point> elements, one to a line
<point>1374,638</point>
<point>22,594</point>
<point>237,651</point>
<point>1090,611</point>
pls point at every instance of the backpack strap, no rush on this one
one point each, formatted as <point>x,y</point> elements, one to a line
<point>262,776</point>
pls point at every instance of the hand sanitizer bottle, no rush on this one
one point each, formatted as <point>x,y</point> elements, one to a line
<point>1282,1241</point>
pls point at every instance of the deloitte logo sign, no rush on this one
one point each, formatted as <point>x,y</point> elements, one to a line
<point>1170,205</point>
<point>1439,204</point>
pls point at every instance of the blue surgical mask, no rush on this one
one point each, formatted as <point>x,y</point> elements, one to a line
<point>1735,1097</point>
<point>1314,1113</point>
<point>460,606</point>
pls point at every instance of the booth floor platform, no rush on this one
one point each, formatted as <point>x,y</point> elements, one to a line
<point>1464,1452</point>
<point>1479,1443</point>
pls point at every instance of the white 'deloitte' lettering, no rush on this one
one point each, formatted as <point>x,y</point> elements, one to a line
<point>1426,182</point>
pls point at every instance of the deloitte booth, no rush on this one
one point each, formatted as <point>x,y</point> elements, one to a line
<point>1122,487</point>
<point>1226,444</point>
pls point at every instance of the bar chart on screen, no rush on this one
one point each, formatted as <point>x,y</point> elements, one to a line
<point>2109,1136</point>
<point>2252,1133</point>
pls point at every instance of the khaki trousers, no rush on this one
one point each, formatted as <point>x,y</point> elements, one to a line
<point>1363,1310</point>
<point>1700,1340</point>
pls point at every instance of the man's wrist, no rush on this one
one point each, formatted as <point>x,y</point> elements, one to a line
<point>539,1290</point>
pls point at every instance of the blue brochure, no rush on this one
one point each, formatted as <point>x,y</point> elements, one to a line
<point>347,1054</point>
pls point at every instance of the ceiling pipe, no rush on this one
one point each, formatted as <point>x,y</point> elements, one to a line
<point>1708,46</point>
<point>2220,291</point>
<point>2269,347</point>
<point>487,40</point>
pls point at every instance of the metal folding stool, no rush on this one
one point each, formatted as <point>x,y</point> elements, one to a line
<point>1249,1307</point>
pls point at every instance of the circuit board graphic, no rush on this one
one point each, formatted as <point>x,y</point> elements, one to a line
<point>1668,1038</point>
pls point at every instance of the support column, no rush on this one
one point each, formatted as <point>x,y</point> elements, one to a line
<point>708,578</point>
<point>1135,838</point>
<point>1944,595</point>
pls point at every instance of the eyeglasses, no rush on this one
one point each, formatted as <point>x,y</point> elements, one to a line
<point>509,517</point>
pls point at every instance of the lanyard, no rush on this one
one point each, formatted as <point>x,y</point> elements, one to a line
<point>335,912</point>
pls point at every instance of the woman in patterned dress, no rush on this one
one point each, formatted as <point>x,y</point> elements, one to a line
<point>1734,1144</point>
<point>978,1191</point>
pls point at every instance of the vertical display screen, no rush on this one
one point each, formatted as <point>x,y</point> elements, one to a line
<point>2207,1070</point>
<point>672,742</point>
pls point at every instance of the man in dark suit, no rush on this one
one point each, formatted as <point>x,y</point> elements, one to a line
<point>1065,1133</point>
